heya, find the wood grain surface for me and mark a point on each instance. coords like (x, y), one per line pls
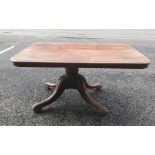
(96, 55)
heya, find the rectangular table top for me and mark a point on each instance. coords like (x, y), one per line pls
(96, 55)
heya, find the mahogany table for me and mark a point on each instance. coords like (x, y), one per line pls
(72, 56)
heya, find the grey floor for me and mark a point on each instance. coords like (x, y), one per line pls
(128, 94)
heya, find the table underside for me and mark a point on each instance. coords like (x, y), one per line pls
(82, 65)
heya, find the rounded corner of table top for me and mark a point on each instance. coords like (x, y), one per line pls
(14, 61)
(147, 61)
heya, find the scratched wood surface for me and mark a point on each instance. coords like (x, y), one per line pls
(97, 55)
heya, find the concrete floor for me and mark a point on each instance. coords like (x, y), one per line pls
(128, 94)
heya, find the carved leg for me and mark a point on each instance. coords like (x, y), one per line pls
(72, 79)
(82, 90)
(91, 86)
(60, 87)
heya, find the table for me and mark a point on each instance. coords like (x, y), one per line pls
(72, 56)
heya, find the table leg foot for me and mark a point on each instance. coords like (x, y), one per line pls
(50, 85)
(60, 87)
(90, 86)
(81, 86)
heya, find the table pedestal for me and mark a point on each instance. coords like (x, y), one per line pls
(72, 79)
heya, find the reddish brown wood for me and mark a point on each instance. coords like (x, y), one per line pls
(75, 55)
(72, 79)
(95, 55)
